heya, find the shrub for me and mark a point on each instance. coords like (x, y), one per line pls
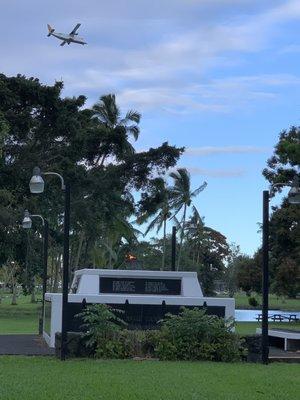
(194, 335)
(99, 322)
(253, 348)
(106, 337)
(252, 302)
(126, 344)
(191, 335)
(75, 345)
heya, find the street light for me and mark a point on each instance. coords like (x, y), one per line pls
(294, 193)
(26, 224)
(37, 186)
(293, 198)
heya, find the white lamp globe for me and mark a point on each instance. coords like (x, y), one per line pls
(294, 193)
(27, 222)
(36, 183)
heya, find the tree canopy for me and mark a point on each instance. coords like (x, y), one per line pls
(90, 147)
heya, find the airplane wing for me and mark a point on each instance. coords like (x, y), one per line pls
(63, 43)
(74, 30)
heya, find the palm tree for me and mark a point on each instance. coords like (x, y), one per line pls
(117, 129)
(181, 197)
(107, 247)
(195, 230)
(157, 205)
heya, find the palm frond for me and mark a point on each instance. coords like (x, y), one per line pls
(152, 224)
(134, 131)
(199, 189)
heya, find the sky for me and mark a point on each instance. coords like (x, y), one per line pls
(220, 77)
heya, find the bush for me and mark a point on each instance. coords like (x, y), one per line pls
(194, 335)
(191, 335)
(252, 302)
(75, 345)
(127, 344)
(99, 322)
(106, 337)
(253, 348)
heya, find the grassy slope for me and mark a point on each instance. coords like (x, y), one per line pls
(277, 303)
(46, 378)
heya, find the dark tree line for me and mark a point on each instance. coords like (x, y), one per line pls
(93, 148)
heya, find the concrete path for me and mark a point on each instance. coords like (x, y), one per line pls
(26, 345)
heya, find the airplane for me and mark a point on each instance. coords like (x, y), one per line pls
(66, 38)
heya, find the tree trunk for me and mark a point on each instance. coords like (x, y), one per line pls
(164, 247)
(56, 274)
(102, 161)
(81, 239)
(181, 237)
(14, 294)
(33, 299)
(86, 253)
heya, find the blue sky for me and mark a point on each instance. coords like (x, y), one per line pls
(220, 77)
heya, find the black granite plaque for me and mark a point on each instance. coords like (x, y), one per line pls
(140, 286)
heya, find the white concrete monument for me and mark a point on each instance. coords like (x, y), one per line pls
(145, 297)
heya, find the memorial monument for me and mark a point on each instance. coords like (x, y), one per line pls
(144, 296)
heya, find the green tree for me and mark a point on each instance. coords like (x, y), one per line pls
(181, 197)
(156, 203)
(116, 130)
(248, 273)
(39, 127)
(284, 222)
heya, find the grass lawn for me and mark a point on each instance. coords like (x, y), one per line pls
(22, 318)
(42, 378)
(277, 303)
(248, 328)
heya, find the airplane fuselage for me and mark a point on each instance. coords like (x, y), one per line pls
(68, 38)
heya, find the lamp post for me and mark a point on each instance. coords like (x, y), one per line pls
(37, 186)
(26, 224)
(173, 255)
(294, 198)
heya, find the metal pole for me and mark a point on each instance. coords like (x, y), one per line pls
(265, 283)
(174, 248)
(45, 268)
(65, 284)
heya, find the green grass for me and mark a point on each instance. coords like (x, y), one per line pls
(22, 318)
(248, 328)
(26, 324)
(42, 378)
(277, 303)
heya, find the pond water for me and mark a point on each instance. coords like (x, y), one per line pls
(250, 315)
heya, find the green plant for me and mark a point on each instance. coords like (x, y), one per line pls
(127, 344)
(194, 335)
(99, 321)
(252, 302)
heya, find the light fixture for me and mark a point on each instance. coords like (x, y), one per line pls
(294, 193)
(27, 222)
(36, 183)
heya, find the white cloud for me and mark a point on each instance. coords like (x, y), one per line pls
(153, 55)
(211, 150)
(217, 173)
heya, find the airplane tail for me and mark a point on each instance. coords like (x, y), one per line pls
(50, 29)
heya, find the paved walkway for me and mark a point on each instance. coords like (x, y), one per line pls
(26, 345)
